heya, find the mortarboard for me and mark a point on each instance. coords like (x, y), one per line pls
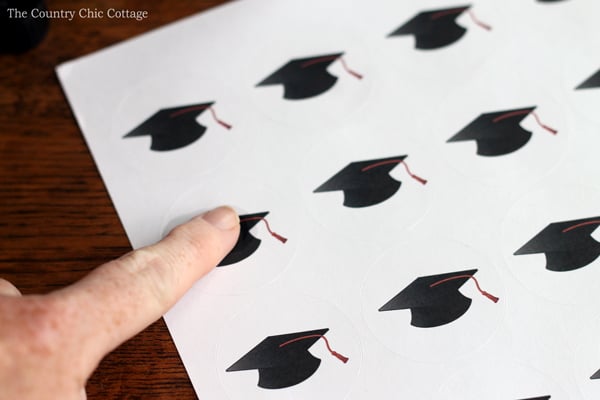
(366, 183)
(498, 133)
(173, 128)
(435, 300)
(306, 77)
(567, 245)
(596, 375)
(435, 28)
(247, 244)
(591, 83)
(284, 360)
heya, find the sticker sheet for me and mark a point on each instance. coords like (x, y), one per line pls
(417, 184)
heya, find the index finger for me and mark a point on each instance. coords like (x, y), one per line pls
(119, 299)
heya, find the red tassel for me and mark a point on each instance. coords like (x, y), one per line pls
(478, 22)
(483, 292)
(274, 234)
(521, 112)
(344, 359)
(330, 58)
(197, 108)
(415, 177)
(351, 72)
(490, 296)
(546, 127)
(418, 178)
(334, 353)
(570, 228)
(279, 237)
(222, 123)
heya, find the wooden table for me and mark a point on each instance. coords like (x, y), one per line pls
(56, 219)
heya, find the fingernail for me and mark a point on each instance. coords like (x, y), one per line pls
(224, 218)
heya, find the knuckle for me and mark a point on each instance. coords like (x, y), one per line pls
(184, 253)
(190, 253)
(135, 261)
(159, 278)
(43, 327)
(148, 268)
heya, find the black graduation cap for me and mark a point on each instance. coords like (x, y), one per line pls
(596, 375)
(284, 360)
(435, 300)
(435, 28)
(567, 245)
(306, 77)
(549, 1)
(498, 133)
(247, 244)
(591, 83)
(174, 128)
(366, 183)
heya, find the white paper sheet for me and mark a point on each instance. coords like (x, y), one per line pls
(341, 264)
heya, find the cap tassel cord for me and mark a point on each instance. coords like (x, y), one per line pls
(222, 123)
(334, 353)
(348, 70)
(198, 108)
(478, 22)
(318, 60)
(274, 234)
(415, 177)
(521, 112)
(483, 292)
(331, 58)
(509, 115)
(570, 228)
(546, 127)
(443, 13)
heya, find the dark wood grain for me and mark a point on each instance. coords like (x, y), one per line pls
(56, 219)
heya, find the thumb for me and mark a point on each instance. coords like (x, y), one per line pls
(122, 297)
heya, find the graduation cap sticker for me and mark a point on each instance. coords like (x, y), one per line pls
(435, 300)
(306, 77)
(247, 244)
(284, 360)
(592, 82)
(567, 245)
(596, 375)
(366, 183)
(174, 128)
(436, 28)
(499, 133)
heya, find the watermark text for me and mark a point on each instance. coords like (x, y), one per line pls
(83, 13)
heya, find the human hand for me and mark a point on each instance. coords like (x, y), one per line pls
(50, 344)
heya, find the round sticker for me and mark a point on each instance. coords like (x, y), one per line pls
(433, 299)
(373, 190)
(268, 238)
(505, 131)
(177, 128)
(311, 83)
(550, 243)
(287, 345)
